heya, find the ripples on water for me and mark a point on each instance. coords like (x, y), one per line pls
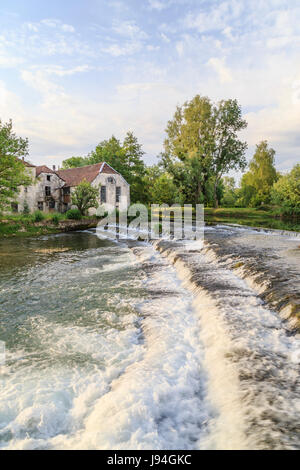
(108, 349)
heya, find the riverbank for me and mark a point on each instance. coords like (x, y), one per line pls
(25, 226)
(252, 217)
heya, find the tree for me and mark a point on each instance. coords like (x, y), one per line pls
(257, 183)
(85, 197)
(74, 162)
(229, 151)
(134, 167)
(229, 193)
(202, 143)
(189, 147)
(126, 158)
(286, 191)
(163, 190)
(12, 169)
(109, 151)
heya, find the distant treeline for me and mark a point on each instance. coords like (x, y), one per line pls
(201, 147)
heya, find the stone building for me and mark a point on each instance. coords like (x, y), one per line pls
(52, 189)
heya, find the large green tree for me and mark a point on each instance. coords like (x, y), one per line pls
(229, 150)
(189, 147)
(12, 170)
(286, 191)
(257, 183)
(202, 143)
(125, 157)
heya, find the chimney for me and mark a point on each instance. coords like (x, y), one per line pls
(54, 168)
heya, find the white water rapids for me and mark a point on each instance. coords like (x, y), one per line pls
(143, 347)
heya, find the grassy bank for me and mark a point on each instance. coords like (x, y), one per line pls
(252, 217)
(20, 225)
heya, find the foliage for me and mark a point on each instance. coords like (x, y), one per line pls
(126, 158)
(202, 144)
(74, 162)
(229, 192)
(256, 185)
(26, 209)
(55, 219)
(163, 190)
(73, 214)
(286, 191)
(38, 216)
(85, 197)
(12, 170)
(251, 217)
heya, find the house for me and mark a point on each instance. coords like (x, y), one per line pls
(52, 189)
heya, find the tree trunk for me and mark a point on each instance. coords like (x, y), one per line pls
(216, 195)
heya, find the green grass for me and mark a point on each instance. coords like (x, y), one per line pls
(265, 218)
(21, 225)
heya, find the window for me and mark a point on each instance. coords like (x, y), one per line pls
(14, 207)
(103, 194)
(111, 180)
(48, 177)
(48, 191)
(26, 190)
(40, 206)
(52, 204)
(66, 191)
(118, 194)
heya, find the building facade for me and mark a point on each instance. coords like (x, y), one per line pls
(52, 189)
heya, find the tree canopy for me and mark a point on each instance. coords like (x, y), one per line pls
(286, 191)
(257, 183)
(12, 170)
(125, 157)
(85, 197)
(202, 142)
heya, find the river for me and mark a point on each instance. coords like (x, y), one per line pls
(150, 346)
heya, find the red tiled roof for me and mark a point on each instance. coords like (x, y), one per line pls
(43, 169)
(26, 163)
(74, 176)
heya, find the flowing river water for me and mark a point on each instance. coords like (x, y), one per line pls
(150, 346)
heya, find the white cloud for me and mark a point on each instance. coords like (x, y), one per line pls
(222, 49)
(129, 29)
(62, 71)
(68, 28)
(9, 61)
(222, 70)
(158, 4)
(165, 37)
(53, 23)
(118, 50)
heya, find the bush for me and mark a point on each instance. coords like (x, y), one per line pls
(73, 214)
(38, 216)
(26, 209)
(55, 219)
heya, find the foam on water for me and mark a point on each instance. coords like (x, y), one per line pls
(154, 356)
(253, 380)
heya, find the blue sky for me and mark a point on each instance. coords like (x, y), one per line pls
(75, 72)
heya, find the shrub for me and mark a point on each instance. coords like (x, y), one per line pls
(26, 209)
(55, 219)
(38, 216)
(73, 214)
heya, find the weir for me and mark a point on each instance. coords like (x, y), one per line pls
(131, 345)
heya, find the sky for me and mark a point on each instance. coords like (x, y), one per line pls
(75, 72)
